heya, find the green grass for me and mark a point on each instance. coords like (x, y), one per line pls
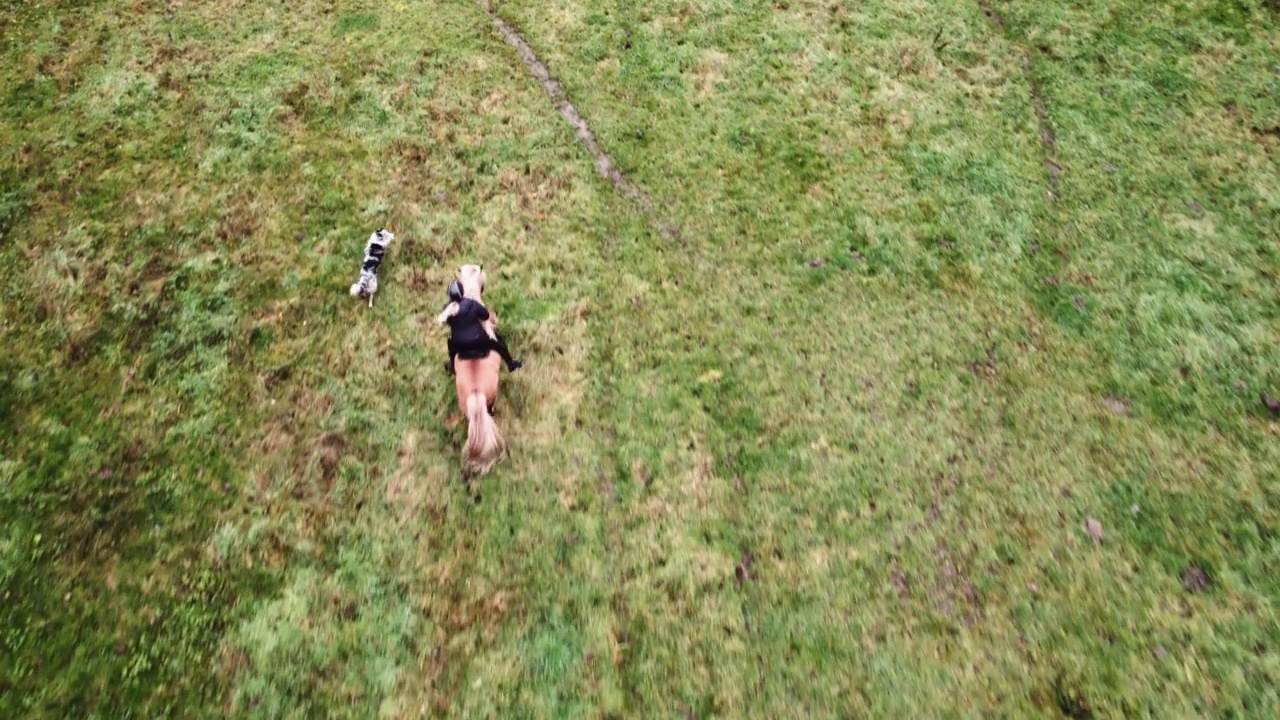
(829, 451)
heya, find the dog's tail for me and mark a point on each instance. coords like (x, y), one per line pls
(485, 445)
(366, 285)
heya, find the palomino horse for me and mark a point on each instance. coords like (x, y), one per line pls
(477, 385)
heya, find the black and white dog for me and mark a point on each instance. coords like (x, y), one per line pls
(373, 252)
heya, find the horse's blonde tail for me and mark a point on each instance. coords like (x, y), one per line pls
(485, 445)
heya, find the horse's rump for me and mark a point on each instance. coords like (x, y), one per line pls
(477, 375)
(477, 386)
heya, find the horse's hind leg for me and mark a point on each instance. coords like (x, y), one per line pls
(491, 401)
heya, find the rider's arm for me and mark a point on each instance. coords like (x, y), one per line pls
(449, 311)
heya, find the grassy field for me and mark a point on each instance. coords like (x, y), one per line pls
(944, 399)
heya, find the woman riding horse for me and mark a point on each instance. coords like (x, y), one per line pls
(467, 330)
(476, 380)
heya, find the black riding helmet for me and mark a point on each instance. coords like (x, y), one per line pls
(455, 291)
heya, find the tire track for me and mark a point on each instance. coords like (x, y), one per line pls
(604, 162)
(1048, 138)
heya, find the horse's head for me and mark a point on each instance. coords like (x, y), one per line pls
(472, 279)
